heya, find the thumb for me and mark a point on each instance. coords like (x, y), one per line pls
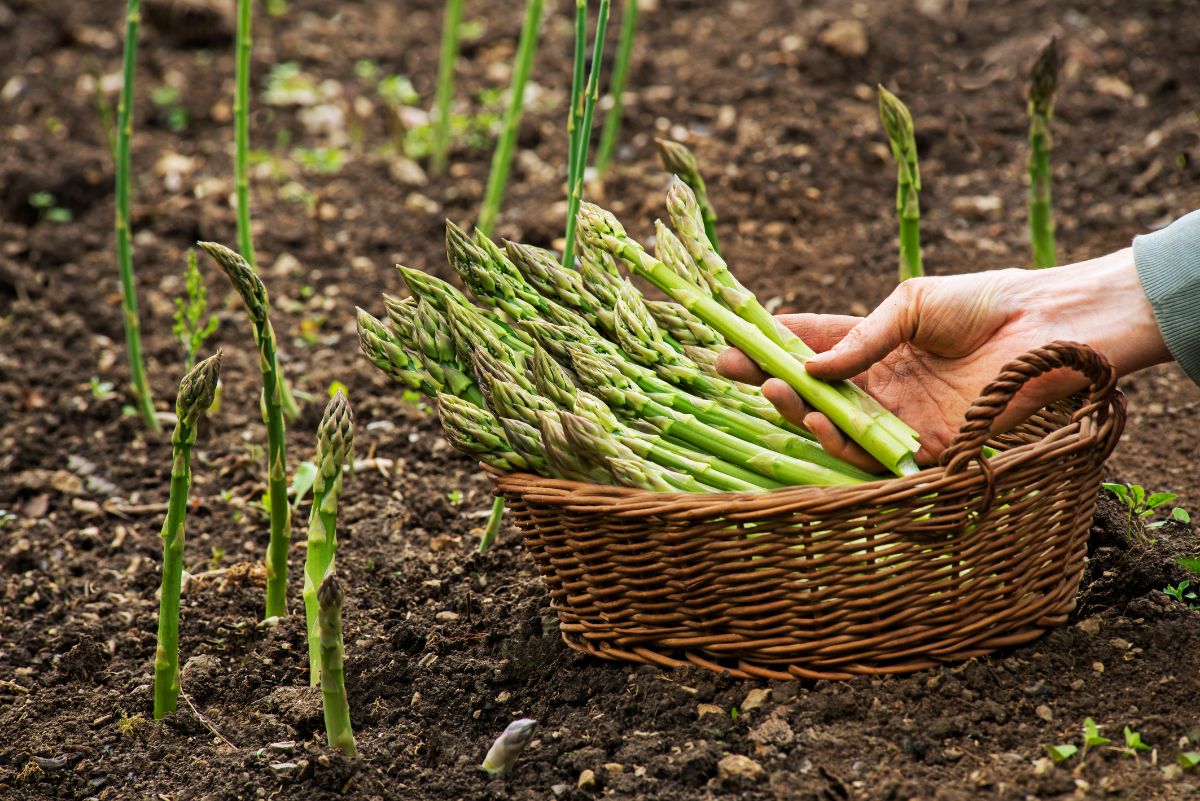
(871, 340)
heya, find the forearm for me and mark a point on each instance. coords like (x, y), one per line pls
(1168, 267)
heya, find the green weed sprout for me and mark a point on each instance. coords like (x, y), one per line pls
(254, 297)
(581, 135)
(616, 90)
(1043, 82)
(897, 123)
(190, 327)
(333, 680)
(1061, 752)
(1140, 505)
(335, 444)
(1183, 593)
(1091, 735)
(196, 392)
(502, 158)
(140, 386)
(679, 161)
(445, 85)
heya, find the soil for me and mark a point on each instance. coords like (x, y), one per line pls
(444, 646)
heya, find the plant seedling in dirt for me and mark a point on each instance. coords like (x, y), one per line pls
(1062, 752)
(897, 124)
(579, 120)
(254, 296)
(103, 390)
(1133, 744)
(679, 161)
(1043, 82)
(454, 496)
(190, 328)
(445, 86)
(620, 74)
(1181, 592)
(6, 517)
(502, 158)
(333, 680)
(48, 208)
(133, 331)
(195, 396)
(1189, 759)
(1138, 503)
(335, 444)
(508, 746)
(1091, 735)
(166, 100)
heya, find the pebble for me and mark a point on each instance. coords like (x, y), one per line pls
(846, 37)
(708, 709)
(755, 698)
(735, 767)
(977, 206)
(587, 779)
(1043, 766)
(1089, 626)
(1044, 712)
(446, 616)
(614, 767)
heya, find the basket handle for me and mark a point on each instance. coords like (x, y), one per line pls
(977, 427)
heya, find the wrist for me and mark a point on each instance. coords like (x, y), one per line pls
(1100, 302)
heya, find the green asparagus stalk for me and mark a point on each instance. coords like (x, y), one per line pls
(333, 681)
(475, 431)
(445, 87)
(494, 522)
(627, 468)
(679, 161)
(335, 444)
(620, 75)
(897, 123)
(254, 297)
(381, 347)
(575, 110)
(498, 178)
(684, 327)
(541, 270)
(703, 262)
(583, 136)
(1043, 82)
(196, 393)
(568, 460)
(622, 394)
(139, 385)
(859, 421)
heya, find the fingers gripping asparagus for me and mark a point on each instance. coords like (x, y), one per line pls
(196, 392)
(335, 444)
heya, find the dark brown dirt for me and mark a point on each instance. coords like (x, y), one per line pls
(801, 179)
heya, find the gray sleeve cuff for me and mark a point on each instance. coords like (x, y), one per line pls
(1168, 265)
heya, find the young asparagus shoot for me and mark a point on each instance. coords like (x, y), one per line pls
(190, 327)
(445, 86)
(616, 90)
(1043, 82)
(897, 124)
(335, 444)
(583, 136)
(508, 746)
(494, 523)
(680, 162)
(502, 158)
(139, 384)
(575, 109)
(254, 296)
(196, 392)
(333, 681)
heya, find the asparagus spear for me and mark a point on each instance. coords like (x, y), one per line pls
(897, 123)
(862, 422)
(612, 122)
(254, 297)
(474, 430)
(1043, 82)
(333, 682)
(335, 444)
(587, 437)
(445, 83)
(196, 392)
(679, 161)
(567, 459)
(384, 351)
(621, 393)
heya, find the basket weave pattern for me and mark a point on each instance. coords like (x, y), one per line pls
(816, 582)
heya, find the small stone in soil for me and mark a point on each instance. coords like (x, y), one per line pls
(735, 767)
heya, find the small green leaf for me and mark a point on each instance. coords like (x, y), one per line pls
(1180, 515)
(1158, 499)
(1091, 734)
(1133, 740)
(454, 496)
(302, 482)
(1061, 753)
(1138, 493)
(1189, 759)
(1120, 490)
(337, 386)
(41, 200)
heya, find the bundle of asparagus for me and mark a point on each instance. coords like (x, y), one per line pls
(569, 372)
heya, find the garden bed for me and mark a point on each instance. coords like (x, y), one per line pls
(445, 646)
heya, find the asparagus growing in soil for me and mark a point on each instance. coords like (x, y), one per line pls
(335, 444)
(139, 384)
(897, 123)
(508, 746)
(868, 425)
(620, 74)
(196, 392)
(333, 681)
(679, 161)
(522, 66)
(575, 109)
(1043, 82)
(583, 136)
(254, 297)
(445, 86)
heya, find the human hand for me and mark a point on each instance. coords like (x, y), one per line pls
(932, 346)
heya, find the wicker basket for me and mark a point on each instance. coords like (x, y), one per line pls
(829, 583)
